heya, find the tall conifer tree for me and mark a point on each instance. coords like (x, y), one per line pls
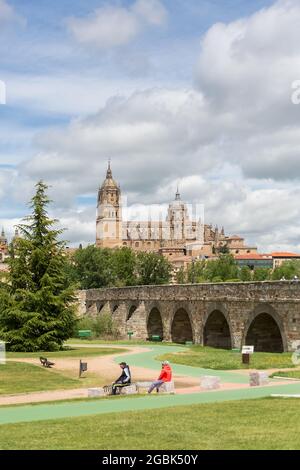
(38, 313)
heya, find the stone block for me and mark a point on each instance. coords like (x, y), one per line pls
(257, 379)
(130, 390)
(210, 382)
(143, 386)
(96, 392)
(168, 387)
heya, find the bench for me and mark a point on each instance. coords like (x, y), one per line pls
(84, 333)
(129, 389)
(155, 338)
(46, 363)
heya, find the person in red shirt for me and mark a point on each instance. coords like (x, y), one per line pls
(165, 376)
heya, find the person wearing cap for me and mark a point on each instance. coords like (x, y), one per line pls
(165, 376)
(124, 379)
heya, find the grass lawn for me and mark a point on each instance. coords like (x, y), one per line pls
(220, 359)
(68, 352)
(19, 377)
(249, 424)
(293, 374)
(124, 342)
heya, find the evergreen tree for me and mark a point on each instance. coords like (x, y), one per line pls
(37, 312)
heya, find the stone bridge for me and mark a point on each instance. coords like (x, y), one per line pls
(228, 315)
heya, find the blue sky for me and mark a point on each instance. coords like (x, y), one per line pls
(194, 91)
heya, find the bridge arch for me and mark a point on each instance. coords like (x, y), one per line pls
(181, 329)
(131, 311)
(217, 331)
(154, 323)
(265, 331)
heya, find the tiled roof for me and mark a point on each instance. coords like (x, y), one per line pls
(285, 254)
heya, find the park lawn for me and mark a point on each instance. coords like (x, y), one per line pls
(292, 374)
(68, 352)
(20, 377)
(124, 342)
(249, 424)
(221, 359)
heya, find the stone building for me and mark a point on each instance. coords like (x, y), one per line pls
(3, 246)
(176, 236)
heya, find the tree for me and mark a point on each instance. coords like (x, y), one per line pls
(222, 269)
(153, 269)
(245, 274)
(37, 310)
(124, 263)
(261, 274)
(91, 268)
(181, 276)
(195, 272)
(288, 270)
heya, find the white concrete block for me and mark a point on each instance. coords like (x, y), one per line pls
(257, 379)
(210, 382)
(167, 387)
(129, 390)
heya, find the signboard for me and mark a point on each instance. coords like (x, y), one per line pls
(248, 350)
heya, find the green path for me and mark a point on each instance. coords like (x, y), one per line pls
(29, 413)
(147, 359)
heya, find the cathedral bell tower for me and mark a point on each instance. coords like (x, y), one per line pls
(109, 213)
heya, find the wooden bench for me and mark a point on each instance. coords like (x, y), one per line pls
(46, 363)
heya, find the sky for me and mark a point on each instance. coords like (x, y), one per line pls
(204, 94)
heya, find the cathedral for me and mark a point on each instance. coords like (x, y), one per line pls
(176, 236)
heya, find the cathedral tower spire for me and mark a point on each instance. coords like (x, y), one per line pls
(109, 212)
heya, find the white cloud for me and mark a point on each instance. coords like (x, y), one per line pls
(8, 14)
(6, 11)
(232, 143)
(113, 26)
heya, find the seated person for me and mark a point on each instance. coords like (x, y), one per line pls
(165, 376)
(124, 379)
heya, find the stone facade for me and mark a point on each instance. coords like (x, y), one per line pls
(229, 315)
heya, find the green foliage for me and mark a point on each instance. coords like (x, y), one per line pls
(123, 261)
(261, 274)
(36, 311)
(153, 269)
(195, 271)
(181, 277)
(222, 269)
(288, 270)
(245, 274)
(93, 268)
(101, 326)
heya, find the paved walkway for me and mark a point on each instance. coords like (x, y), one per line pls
(18, 414)
(234, 387)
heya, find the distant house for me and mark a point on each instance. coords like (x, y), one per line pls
(255, 260)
